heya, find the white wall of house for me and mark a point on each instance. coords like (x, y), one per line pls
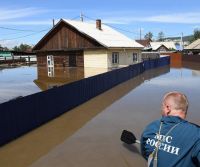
(96, 59)
(103, 58)
(125, 58)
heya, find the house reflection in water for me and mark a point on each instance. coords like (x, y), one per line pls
(49, 77)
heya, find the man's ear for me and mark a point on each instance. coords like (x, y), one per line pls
(168, 109)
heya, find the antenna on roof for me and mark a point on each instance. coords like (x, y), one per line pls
(53, 22)
(81, 16)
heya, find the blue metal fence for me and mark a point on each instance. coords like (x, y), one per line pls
(24, 114)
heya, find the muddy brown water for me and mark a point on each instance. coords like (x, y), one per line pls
(89, 135)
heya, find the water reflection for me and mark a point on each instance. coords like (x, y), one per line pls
(26, 80)
(195, 73)
(50, 77)
(192, 65)
(40, 141)
(16, 82)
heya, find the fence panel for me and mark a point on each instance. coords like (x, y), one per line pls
(19, 116)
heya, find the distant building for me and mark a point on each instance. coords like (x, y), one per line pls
(77, 44)
(145, 43)
(163, 46)
(193, 48)
(5, 55)
(159, 46)
(1, 48)
(185, 41)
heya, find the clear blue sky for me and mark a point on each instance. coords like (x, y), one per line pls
(170, 16)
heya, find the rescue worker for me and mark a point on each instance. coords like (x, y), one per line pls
(172, 141)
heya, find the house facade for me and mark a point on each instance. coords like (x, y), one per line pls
(80, 44)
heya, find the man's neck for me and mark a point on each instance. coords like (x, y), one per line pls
(178, 113)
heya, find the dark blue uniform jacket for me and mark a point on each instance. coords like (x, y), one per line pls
(179, 148)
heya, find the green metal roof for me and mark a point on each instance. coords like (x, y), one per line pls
(5, 54)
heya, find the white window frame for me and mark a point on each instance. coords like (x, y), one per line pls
(50, 60)
(115, 57)
(135, 57)
(50, 65)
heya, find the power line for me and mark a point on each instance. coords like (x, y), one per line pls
(24, 35)
(139, 33)
(15, 29)
(113, 26)
(14, 33)
(74, 18)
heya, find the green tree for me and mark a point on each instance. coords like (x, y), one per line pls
(196, 34)
(148, 35)
(22, 48)
(161, 36)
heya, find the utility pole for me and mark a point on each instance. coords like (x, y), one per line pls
(81, 16)
(182, 43)
(140, 33)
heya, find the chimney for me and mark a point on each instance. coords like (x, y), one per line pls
(98, 24)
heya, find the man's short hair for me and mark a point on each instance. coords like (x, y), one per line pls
(176, 100)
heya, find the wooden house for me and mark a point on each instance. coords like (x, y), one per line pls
(80, 44)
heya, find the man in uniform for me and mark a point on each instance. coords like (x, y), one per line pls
(172, 141)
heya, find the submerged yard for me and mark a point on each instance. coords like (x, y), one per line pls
(27, 80)
(89, 135)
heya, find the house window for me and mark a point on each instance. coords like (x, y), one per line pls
(50, 65)
(115, 58)
(135, 57)
(50, 60)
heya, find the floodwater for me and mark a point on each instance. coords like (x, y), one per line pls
(15, 82)
(26, 80)
(89, 135)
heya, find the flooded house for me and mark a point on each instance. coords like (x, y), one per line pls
(81, 44)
